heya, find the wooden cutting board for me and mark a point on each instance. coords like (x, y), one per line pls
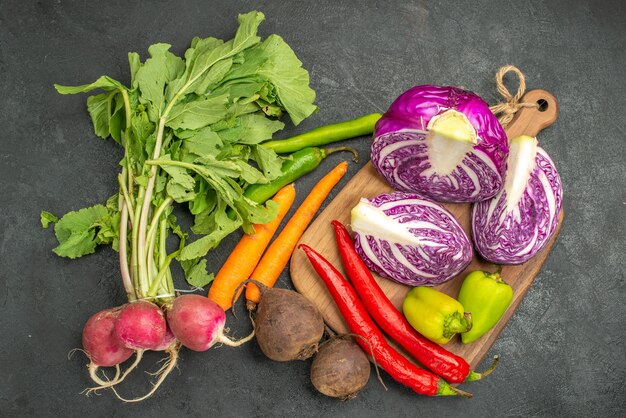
(368, 183)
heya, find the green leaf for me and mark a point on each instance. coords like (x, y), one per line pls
(205, 53)
(98, 108)
(77, 244)
(108, 229)
(178, 175)
(117, 121)
(135, 64)
(204, 142)
(196, 273)
(181, 184)
(251, 129)
(268, 161)
(269, 109)
(219, 168)
(47, 218)
(161, 68)
(250, 174)
(107, 114)
(179, 193)
(113, 203)
(254, 213)
(104, 83)
(142, 181)
(241, 87)
(223, 227)
(291, 81)
(160, 182)
(78, 221)
(204, 221)
(213, 76)
(76, 231)
(275, 62)
(197, 113)
(200, 202)
(246, 33)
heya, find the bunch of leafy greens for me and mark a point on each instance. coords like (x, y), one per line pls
(191, 129)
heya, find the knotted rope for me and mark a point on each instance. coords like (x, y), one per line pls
(507, 109)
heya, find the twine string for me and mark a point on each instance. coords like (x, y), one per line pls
(507, 109)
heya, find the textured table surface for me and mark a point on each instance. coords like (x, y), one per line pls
(564, 351)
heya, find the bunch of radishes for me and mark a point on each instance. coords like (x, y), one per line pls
(111, 336)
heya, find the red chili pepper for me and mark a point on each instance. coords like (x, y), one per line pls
(360, 323)
(451, 367)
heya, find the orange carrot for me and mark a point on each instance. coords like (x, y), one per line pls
(244, 258)
(277, 255)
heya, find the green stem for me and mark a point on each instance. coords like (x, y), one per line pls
(152, 266)
(327, 151)
(123, 242)
(151, 238)
(163, 254)
(444, 389)
(134, 241)
(145, 208)
(128, 114)
(155, 162)
(126, 209)
(473, 375)
(156, 283)
(162, 241)
(170, 283)
(156, 217)
(126, 196)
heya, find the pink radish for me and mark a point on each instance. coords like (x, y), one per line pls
(198, 323)
(100, 342)
(166, 342)
(140, 325)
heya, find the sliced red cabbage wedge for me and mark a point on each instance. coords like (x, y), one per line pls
(518, 222)
(410, 239)
(441, 142)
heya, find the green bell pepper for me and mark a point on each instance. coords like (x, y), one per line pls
(435, 315)
(487, 296)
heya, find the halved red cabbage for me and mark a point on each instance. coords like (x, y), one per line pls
(441, 142)
(518, 222)
(410, 239)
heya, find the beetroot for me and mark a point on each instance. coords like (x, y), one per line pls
(340, 369)
(198, 323)
(100, 342)
(288, 326)
(140, 325)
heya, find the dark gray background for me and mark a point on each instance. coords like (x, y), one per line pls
(563, 353)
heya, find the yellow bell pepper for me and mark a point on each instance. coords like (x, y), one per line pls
(435, 315)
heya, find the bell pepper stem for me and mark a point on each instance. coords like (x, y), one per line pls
(473, 376)
(457, 324)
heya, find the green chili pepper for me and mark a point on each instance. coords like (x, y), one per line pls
(300, 163)
(325, 135)
(435, 315)
(487, 297)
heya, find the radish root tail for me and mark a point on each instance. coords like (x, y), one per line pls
(117, 379)
(93, 373)
(234, 343)
(163, 372)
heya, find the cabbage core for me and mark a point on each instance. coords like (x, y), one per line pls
(450, 137)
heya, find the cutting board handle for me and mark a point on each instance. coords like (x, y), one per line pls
(531, 120)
